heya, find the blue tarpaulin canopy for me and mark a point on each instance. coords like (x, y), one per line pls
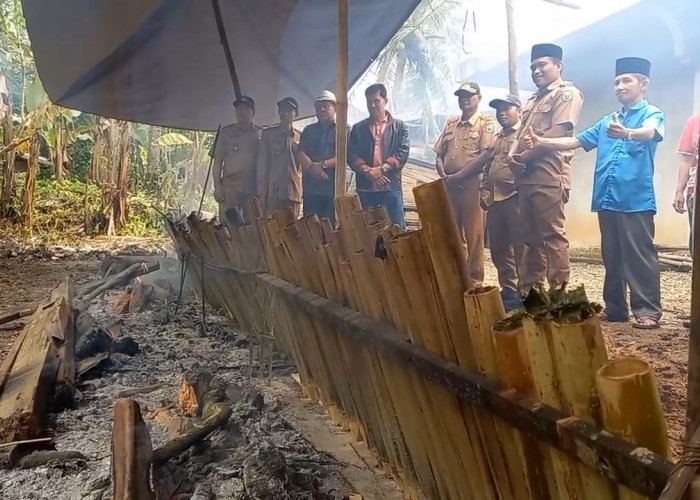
(161, 61)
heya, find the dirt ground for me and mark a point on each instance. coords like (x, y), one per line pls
(168, 348)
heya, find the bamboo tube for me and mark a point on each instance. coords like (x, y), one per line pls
(484, 309)
(627, 388)
(524, 364)
(553, 354)
(578, 352)
(462, 448)
(631, 408)
(442, 245)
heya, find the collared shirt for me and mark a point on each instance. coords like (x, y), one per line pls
(318, 143)
(279, 174)
(378, 129)
(237, 150)
(689, 146)
(462, 141)
(498, 182)
(624, 170)
(559, 103)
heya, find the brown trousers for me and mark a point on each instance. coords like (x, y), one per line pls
(542, 220)
(470, 225)
(505, 241)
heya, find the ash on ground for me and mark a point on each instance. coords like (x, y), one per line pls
(256, 455)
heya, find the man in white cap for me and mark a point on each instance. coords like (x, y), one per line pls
(316, 155)
(623, 194)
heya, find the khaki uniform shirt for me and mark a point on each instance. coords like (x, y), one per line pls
(498, 182)
(237, 148)
(461, 141)
(558, 104)
(279, 174)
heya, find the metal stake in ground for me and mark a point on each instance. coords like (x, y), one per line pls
(204, 311)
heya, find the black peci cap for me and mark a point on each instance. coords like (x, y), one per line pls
(632, 65)
(546, 50)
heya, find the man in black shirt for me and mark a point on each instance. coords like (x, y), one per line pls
(316, 155)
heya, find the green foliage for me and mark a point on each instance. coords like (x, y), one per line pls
(80, 153)
(61, 213)
(173, 139)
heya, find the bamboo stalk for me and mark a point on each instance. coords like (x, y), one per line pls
(631, 407)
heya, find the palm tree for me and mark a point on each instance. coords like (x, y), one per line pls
(414, 65)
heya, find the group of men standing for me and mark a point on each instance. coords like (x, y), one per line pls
(513, 182)
(286, 169)
(519, 179)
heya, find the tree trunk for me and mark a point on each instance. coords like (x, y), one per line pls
(97, 148)
(59, 173)
(8, 168)
(512, 49)
(384, 68)
(30, 179)
(400, 68)
(120, 208)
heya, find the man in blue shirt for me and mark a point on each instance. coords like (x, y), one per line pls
(623, 194)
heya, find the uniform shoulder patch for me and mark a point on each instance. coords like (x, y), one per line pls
(490, 128)
(566, 95)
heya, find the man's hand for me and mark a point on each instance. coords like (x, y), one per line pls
(318, 171)
(530, 140)
(516, 164)
(375, 173)
(679, 202)
(382, 180)
(616, 130)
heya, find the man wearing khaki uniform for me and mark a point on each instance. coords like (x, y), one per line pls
(234, 165)
(462, 141)
(544, 176)
(279, 174)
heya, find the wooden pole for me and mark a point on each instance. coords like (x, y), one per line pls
(512, 49)
(341, 94)
(693, 411)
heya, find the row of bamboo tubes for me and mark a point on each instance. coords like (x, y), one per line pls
(434, 445)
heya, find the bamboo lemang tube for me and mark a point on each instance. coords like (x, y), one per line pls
(630, 408)
(515, 373)
(382, 380)
(442, 245)
(430, 425)
(578, 351)
(457, 429)
(484, 309)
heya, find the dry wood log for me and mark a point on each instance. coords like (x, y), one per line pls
(41, 458)
(87, 364)
(193, 387)
(121, 279)
(28, 375)
(220, 413)
(141, 390)
(115, 264)
(17, 314)
(131, 453)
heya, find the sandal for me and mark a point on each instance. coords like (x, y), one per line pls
(646, 323)
(605, 317)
